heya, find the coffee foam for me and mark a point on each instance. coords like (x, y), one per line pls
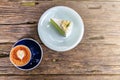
(20, 55)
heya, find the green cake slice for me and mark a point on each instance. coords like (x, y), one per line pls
(63, 26)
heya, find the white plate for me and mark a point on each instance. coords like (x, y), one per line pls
(50, 36)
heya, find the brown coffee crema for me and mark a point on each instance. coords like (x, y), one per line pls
(20, 55)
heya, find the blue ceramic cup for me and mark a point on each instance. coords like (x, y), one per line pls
(36, 53)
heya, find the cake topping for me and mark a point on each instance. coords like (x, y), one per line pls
(63, 26)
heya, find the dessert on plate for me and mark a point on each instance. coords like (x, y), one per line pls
(63, 26)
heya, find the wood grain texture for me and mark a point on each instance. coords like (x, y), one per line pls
(90, 11)
(11, 33)
(84, 59)
(60, 0)
(95, 58)
(95, 32)
(61, 77)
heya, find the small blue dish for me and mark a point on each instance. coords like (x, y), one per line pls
(36, 53)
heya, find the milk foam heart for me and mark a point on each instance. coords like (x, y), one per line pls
(20, 54)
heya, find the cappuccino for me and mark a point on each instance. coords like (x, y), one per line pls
(20, 55)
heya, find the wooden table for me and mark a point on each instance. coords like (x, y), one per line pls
(97, 57)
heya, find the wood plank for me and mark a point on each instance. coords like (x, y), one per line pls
(11, 33)
(95, 32)
(101, 32)
(84, 59)
(66, 0)
(97, 54)
(90, 11)
(62, 77)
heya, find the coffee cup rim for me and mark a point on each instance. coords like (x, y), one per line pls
(18, 67)
(27, 62)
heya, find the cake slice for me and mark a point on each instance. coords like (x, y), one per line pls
(63, 26)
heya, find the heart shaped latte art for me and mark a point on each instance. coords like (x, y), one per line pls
(20, 54)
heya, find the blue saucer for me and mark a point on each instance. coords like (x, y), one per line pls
(36, 53)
